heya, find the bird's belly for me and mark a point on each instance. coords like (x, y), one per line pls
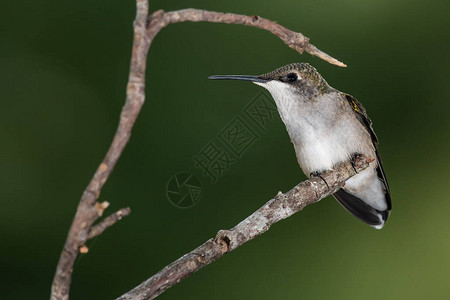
(320, 155)
(321, 142)
(321, 151)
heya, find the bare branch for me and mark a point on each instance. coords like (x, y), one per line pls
(145, 29)
(108, 222)
(292, 39)
(87, 212)
(277, 209)
(311, 49)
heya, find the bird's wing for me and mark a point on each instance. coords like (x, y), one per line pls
(361, 115)
(363, 118)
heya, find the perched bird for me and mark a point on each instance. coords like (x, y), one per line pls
(328, 127)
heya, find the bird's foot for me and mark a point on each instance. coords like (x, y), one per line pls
(352, 160)
(318, 174)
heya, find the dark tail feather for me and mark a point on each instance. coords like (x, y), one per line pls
(361, 210)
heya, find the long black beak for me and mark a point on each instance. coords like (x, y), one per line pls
(239, 77)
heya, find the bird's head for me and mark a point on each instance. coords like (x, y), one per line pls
(297, 79)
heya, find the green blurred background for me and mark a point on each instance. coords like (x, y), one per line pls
(64, 68)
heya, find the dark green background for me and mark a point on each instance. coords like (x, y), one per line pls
(64, 67)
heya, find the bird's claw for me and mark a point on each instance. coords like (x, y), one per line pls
(353, 159)
(318, 174)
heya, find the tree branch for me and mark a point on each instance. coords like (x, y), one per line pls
(87, 212)
(292, 39)
(108, 222)
(277, 209)
(145, 29)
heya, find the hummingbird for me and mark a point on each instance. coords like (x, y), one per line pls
(328, 127)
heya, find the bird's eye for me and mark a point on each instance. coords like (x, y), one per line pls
(291, 77)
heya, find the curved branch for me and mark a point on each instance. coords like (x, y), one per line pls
(292, 39)
(277, 209)
(145, 29)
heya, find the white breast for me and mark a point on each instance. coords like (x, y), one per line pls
(323, 131)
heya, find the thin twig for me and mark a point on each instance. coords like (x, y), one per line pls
(108, 222)
(145, 29)
(277, 209)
